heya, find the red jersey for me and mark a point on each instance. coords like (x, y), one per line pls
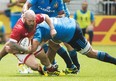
(19, 31)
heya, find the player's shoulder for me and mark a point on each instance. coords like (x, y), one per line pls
(19, 26)
(39, 15)
(40, 18)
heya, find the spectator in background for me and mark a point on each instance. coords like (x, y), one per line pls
(5, 12)
(2, 33)
(85, 18)
(16, 9)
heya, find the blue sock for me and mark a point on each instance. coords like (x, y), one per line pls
(74, 58)
(45, 47)
(54, 62)
(106, 58)
(62, 52)
(90, 36)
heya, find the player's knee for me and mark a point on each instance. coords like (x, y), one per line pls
(92, 54)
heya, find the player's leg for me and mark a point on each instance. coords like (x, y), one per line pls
(43, 57)
(45, 47)
(71, 68)
(30, 61)
(73, 55)
(82, 45)
(83, 31)
(102, 56)
(24, 69)
(61, 52)
(51, 54)
(90, 32)
(40, 54)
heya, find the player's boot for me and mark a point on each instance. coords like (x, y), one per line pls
(72, 70)
(53, 70)
(22, 69)
(29, 70)
(41, 70)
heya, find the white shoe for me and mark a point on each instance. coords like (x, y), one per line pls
(22, 69)
(29, 70)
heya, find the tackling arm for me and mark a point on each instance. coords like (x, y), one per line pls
(13, 47)
(35, 45)
(26, 6)
(49, 22)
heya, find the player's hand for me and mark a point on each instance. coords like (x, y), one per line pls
(10, 50)
(53, 32)
(28, 50)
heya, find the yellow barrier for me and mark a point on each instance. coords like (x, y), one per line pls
(105, 30)
(6, 22)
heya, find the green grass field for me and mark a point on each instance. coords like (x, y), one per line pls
(91, 70)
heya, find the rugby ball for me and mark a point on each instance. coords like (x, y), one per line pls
(25, 42)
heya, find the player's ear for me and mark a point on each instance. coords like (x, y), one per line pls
(24, 19)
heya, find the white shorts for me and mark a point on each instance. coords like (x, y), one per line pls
(86, 49)
(23, 57)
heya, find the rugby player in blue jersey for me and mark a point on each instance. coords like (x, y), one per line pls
(55, 8)
(68, 31)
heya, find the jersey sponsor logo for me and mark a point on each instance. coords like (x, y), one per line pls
(47, 9)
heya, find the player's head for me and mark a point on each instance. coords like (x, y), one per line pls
(84, 5)
(29, 19)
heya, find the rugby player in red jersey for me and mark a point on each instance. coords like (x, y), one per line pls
(25, 27)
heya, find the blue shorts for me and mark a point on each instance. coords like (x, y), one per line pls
(78, 41)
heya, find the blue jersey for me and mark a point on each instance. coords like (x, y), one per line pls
(65, 28)
(67, 13)
(45, 6)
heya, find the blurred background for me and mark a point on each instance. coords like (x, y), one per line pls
(105, 18)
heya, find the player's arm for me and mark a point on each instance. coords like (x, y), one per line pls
(13, 47)
(37, 39)
(92, 20)
(35, 45)
(92, 24)
(14, 3)
(15, 36)
(10, 4)
(26, 6)
(44, 17)
(49, 22)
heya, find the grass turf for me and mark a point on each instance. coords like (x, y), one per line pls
(91, 69)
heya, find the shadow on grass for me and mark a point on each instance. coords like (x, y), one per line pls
(70, 75)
